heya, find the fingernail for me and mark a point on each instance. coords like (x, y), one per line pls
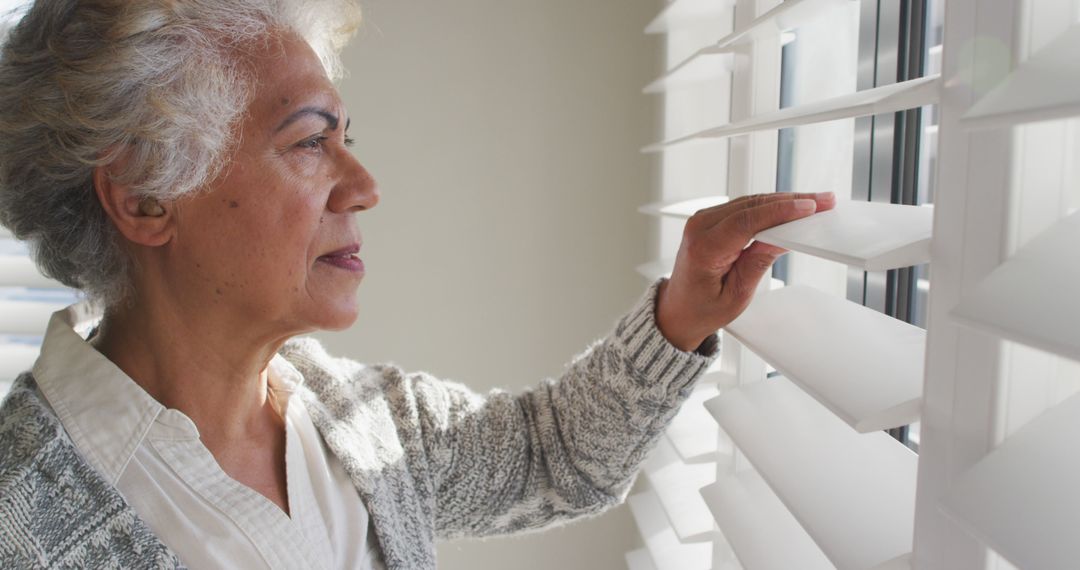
(827, 195)
(805, 205)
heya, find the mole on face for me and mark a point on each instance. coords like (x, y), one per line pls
(234, 204)
(285, 101)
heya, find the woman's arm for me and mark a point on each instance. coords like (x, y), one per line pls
(569, 447)
(502, 463)
(482, 465)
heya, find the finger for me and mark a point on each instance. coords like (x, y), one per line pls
(762, 247)
(825, 201)
(736, 230)
(709, 217)
(759, 199)
(747, 271)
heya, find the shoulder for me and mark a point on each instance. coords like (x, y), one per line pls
(333, 378)
(29, 431)
(41, 474)
(325, 373)
(378, 394)
(55, 510)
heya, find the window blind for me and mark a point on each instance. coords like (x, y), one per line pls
(711, 61)
(1032, 298)
(1008, 495)
(682, 209)
(853, 493)
(747, 510)
(27, 299)
(676, 483)
(639, 560)
(805, 478)
(886, 99)
(1045, 86)
(663, 545)
(871, 236)
(16, 268)
(1021, 498)
(693, 432)
(865, 367)
(688, 13)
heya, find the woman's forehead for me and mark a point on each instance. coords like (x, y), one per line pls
(289, 76)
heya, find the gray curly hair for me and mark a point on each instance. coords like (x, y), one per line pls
(159, 81)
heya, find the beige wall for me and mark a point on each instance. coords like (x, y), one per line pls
(504, 135)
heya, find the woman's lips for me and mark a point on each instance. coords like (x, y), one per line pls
(344, 259)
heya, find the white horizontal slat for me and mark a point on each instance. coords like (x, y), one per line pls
(786, 15)
(693, 433)
(1021, 499)
(705, 64)
(17, 355)
(902, 562)
(864, 366)
(711, 62)
(716, 375)
(16, 268)
(1032, 297)
(653, 270)
(682, 208)
(676, 484)
(687, 12)
(886, 99)
(16, 271)
(639, 560)
(18, 317)
(853, 493)
(868, 235)
(660, 539)
(761, 531)
(1045, 87)
(27, 311)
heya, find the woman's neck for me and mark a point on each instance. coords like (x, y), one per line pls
(194, 362)
(213, 371)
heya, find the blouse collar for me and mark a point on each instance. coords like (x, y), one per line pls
(106, 413)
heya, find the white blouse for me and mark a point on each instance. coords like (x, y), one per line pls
(154, 457)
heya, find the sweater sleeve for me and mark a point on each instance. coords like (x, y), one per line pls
(503, 463)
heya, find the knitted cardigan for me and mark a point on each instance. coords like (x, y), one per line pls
(429, 458)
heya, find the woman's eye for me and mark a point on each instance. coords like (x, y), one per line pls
(314, 143)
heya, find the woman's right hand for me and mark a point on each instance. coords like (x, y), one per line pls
(716, 273)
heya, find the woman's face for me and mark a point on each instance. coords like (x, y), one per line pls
(273, 238)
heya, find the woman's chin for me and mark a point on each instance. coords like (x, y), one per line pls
(337, 315)
(331, 305)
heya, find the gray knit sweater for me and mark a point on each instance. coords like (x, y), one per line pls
(429, 458)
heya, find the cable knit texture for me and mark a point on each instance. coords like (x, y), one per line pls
(431, 459)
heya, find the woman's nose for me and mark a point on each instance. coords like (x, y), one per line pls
(356, 188)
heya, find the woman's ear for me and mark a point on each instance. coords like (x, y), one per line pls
(141, 219)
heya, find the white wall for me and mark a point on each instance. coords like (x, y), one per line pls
(504, 135)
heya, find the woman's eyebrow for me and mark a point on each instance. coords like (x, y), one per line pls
(331, 119)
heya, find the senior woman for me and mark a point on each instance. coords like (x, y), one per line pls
(185, 163)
